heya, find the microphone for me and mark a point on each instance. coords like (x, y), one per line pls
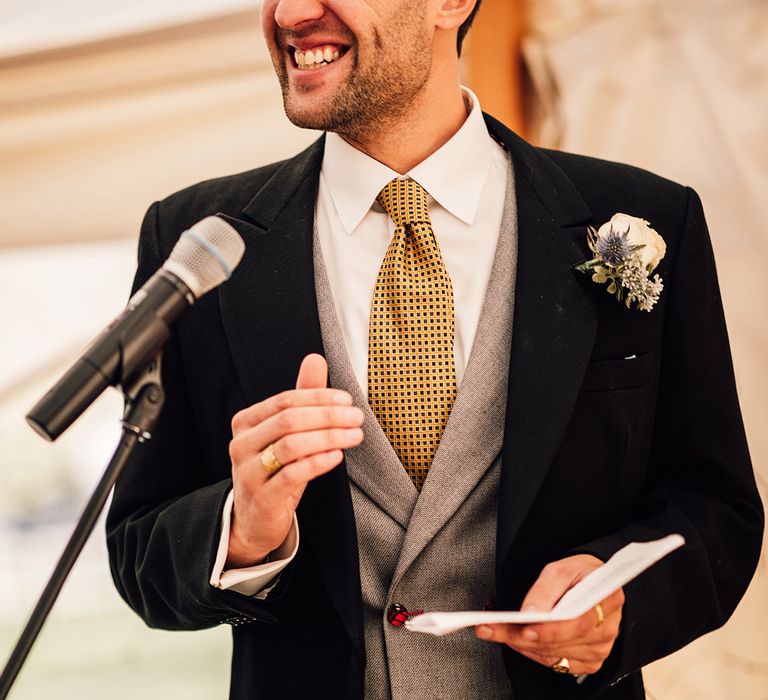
(203, 258)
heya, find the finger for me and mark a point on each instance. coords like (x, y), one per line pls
(259, 412)
(585, 654)
(580, 656)
(577, 666)
(557, 636)
(298, 474)
(613, 602)
(292, 421)
(313, 373)
(292, 448)
(555, 579)
(587, 627)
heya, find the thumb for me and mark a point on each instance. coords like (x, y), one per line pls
(554, 580)
(313, 373)
(557, 578)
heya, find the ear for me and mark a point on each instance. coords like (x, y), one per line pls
(452, 13)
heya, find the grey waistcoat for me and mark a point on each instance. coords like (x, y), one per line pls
(433, 550)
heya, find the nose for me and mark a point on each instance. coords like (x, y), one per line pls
(291, 14)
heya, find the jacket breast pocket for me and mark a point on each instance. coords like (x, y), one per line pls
(617, 374)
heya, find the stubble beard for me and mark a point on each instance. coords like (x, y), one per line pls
(372, 100)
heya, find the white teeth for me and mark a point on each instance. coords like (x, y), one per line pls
(313, 59)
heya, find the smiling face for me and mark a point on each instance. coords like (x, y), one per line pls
(349, 66)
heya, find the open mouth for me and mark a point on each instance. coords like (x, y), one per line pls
(317, 56)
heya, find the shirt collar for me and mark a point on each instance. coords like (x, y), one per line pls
(454, 175)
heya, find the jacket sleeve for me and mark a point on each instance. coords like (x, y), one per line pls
(164, 523)
(700, 481)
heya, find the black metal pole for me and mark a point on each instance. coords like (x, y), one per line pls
(139, 420)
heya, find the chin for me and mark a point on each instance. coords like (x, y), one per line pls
(305, 117)
(308, 113)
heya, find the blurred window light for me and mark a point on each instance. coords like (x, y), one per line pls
(37, 25)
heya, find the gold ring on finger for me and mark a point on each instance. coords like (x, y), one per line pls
(562, 666)
(600, 615)
(270, 463)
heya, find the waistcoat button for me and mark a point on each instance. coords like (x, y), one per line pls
(397, 614)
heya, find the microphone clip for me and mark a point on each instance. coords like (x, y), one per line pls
(144, 400)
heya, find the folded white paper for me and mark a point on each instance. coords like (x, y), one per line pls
(620, 569)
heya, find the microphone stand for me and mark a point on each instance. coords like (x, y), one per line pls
(144, 402)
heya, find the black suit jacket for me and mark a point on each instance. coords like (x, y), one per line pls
(598, 450)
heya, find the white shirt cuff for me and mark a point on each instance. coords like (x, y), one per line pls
(255, 581)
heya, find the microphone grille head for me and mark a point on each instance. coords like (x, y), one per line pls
(206, 254)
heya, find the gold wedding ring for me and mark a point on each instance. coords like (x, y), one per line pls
(270, 463)
(600, 615)
(562, 666)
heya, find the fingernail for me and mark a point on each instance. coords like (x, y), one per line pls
(342, 398)
(530, 635)
(484, 632)
(530, 607)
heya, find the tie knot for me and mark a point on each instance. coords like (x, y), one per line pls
(405, 201)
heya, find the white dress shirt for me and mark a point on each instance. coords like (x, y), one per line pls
(466, 180)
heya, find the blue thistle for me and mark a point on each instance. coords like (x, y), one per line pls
(615, 248)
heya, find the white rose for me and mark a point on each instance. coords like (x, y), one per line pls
(639, 233)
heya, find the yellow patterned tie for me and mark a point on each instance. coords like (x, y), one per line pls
(411, 374)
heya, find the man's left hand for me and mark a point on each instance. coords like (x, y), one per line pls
(585, 642)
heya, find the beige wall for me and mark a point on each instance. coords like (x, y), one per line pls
(90, 135)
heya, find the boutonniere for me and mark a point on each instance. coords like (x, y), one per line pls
(627, 250)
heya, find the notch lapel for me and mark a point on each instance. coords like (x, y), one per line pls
(268, 306)
(270, 318)
(553, 330)
(373, 465)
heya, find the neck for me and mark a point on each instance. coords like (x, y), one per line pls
(406, 141)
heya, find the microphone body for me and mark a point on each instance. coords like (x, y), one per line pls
(122, 350)
(203, 258)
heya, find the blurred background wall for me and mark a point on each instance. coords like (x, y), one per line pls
(105, 107)
(679, 87)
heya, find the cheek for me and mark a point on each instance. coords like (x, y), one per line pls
(347, 11)
(355, 18)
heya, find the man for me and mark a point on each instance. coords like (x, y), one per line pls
(458, 479)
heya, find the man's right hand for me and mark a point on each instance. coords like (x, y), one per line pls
(308, 428)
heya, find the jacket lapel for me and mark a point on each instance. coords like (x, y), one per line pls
(270, 317)
(553, 331)
(372, 465)
(268, 308)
